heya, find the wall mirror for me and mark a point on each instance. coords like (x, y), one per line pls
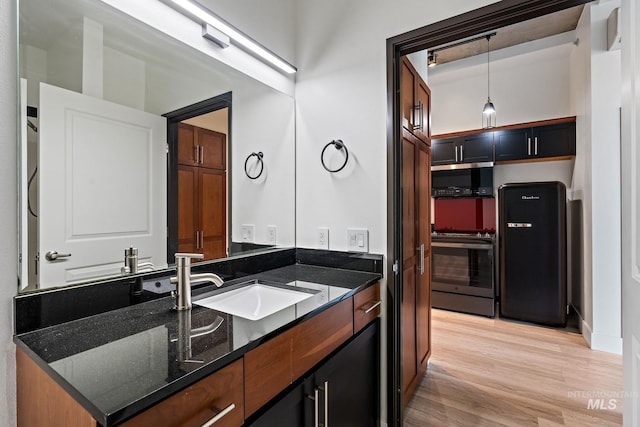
(108, 163)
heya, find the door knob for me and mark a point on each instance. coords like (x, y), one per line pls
(54, 255)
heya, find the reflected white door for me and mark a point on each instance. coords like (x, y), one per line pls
(102, 186)
(630, 161)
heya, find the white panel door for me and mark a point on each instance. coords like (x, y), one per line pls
(630, 153)
(102, 186)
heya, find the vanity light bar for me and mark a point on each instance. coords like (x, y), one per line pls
(210, 18)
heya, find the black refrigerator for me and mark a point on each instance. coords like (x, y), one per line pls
(533, 255)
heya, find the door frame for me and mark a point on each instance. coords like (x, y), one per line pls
(173, 119)
(469, 24)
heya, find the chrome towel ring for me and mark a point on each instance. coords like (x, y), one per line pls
(339, 145)
(260, 160)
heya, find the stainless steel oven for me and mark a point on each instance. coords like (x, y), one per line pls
(462, 273)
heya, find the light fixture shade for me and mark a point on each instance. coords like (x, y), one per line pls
(489, 115)
(489, 108)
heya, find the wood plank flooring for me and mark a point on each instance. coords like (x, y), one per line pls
(495, 372)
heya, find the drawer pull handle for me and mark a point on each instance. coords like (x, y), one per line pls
(219, 416)
(316, 421)
(373, 307)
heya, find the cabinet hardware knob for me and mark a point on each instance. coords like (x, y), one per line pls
(220, 415)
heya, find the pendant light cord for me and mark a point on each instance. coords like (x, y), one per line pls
(488, 60)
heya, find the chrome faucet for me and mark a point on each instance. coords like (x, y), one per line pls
(183, 279)
(131, 264)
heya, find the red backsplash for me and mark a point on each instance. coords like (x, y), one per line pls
(465, 215)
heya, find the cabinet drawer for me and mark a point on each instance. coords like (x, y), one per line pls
(200, 402)
(366, 307)
(316, 338)
(267, 371)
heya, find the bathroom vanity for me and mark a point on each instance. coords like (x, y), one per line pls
(146, 364)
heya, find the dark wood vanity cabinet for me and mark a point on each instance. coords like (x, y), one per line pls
(319, 355)
(343, 391)
(218, 395)
(538, 142)
(202, 192)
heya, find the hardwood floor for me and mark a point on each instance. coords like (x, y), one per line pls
(495, 372)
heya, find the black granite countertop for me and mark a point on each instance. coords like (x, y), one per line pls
(119, 363)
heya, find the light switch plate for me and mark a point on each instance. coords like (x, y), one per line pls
(323, 238)
(272, 232)
(357, 240)
(247, 233)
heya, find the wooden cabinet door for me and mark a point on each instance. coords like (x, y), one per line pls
(291, 410)
(212, 191)
(347, 384)
(476, 148)
(555, 140)
(188, 221)
(423, 270)
(212, 146)
(445, 151)
(407, 98)
(422, 126)
(415, 102)
(409, 261)
(512, 144)
(187, 149)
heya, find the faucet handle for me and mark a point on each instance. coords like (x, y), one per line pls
(184, 259)
(183, 255)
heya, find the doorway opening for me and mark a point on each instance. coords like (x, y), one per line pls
(199, 178)
(457, 28)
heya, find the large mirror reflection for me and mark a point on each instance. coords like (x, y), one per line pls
(133, 140)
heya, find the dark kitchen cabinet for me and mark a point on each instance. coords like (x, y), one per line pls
(555, 140)
(473, 148)
(343, 391)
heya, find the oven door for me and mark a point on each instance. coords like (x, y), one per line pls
(463, 267)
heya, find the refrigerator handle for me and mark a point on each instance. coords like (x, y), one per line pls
(421, 249)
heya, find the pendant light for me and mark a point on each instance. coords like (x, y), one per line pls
(489, 110)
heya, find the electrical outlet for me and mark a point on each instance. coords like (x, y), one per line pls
(358, 239)
(323, 238)
(247, 233)
(272, 231)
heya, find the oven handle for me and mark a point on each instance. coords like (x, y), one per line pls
(462, 245)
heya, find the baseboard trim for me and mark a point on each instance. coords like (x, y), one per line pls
(600, 342)
(606, 343)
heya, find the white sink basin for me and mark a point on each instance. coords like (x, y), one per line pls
(254, 302)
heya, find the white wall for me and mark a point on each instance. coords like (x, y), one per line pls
(272, 25)
(341, 94)
(597, 97)
(262, 120)
(525, 86)
(8, 207)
